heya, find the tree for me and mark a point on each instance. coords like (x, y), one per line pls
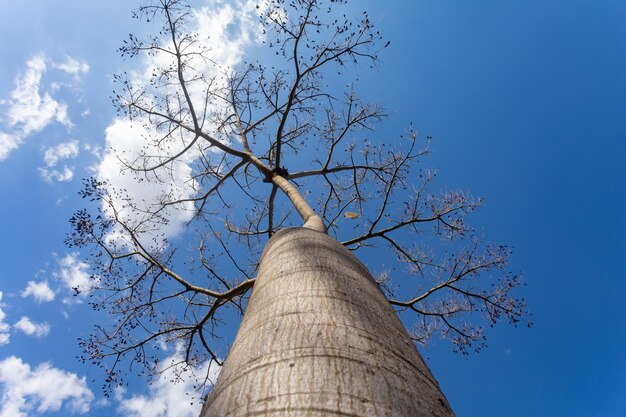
(243, 152)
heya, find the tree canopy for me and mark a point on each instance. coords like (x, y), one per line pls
(235, 153)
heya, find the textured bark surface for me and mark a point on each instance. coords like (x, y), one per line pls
(319, 338)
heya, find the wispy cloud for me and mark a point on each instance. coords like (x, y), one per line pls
(40, 291)
(71, 277)
(73, 66)
(53, 156)
(25, 391)
(26, 326)
(30, 107)
(8, 142)
(234, 27)
(30, 110)
(74, 276)
(4, 327)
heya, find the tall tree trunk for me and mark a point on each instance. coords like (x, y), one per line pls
(319, 338)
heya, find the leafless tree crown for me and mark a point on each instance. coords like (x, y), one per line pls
(271, 143)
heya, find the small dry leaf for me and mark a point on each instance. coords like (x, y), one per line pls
(351, 215)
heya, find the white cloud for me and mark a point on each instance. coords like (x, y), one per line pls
(8, 142)
(73, 66)
(30, 107)
(166, 399)
(74, 276)
(4, 327)
(30, 111)
(25, 391)
(126, 139)
(230, 28)
(53, 155)
(63, 175)
(40, 291)
(30, 328)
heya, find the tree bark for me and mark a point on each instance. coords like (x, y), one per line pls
(319, 338)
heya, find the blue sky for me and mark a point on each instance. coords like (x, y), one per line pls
(526, 104)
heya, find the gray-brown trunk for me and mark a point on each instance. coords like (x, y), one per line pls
(319, 338)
